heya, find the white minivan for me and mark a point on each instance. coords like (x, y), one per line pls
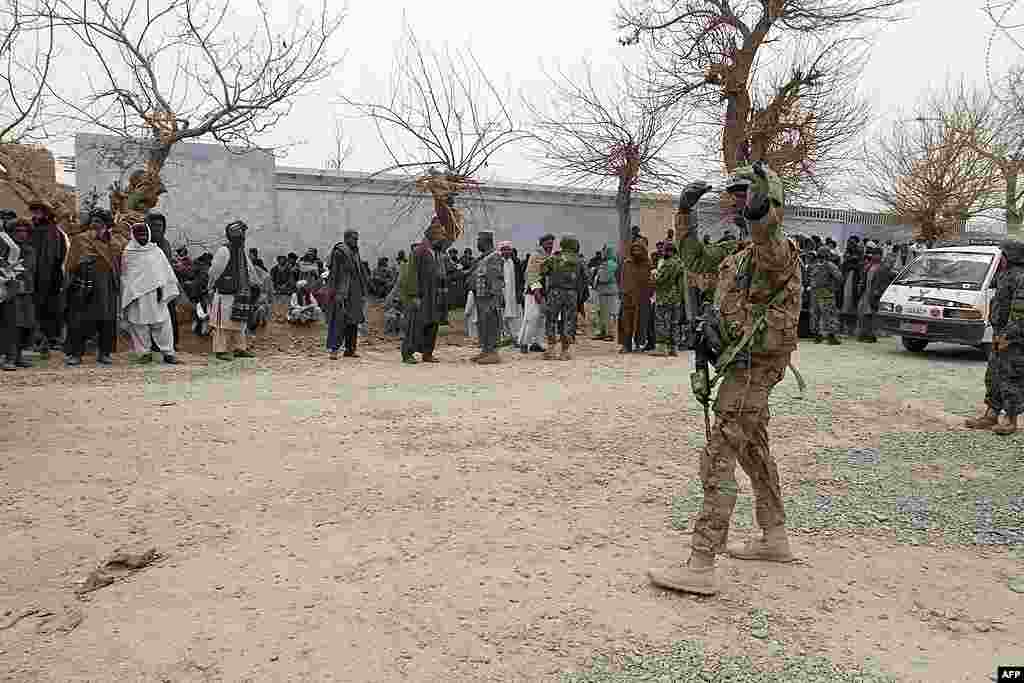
(943, 296)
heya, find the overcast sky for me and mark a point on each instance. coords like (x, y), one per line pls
(512, 41)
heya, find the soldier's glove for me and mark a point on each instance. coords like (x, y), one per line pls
(1000, 344)
(692, 193)
(757, 207)
(701, 386)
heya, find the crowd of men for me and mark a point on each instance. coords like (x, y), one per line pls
(74, 292)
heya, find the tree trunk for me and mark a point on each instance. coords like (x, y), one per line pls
(623, 201)
(1013, 208)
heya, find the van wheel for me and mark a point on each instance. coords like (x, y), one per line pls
(915, 345)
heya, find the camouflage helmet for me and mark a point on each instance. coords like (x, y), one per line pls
(569, 243)
(1013, 250)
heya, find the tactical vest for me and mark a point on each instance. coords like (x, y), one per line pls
(564, 275)
(227, 283)
(741, 302)
(821, 276)
(484, 280)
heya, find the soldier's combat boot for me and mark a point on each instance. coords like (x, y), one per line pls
(773, 546)
(549, 352)
(1007, 429)
(490, 358)
(697, 576)
(818, 339)
(566, 349)
(834, 340)
(987, 421)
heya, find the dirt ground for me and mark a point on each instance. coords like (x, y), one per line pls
(362, 520)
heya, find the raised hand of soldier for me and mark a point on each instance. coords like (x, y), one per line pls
(692, 193)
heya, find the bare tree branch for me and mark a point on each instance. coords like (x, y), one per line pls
(27, 51)
(180, 70)
(931, 169)
(725, 57)
(442, 122)
(623, 138)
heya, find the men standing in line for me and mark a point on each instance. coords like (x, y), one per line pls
(565, 285)
(512, 312)
(11, 269)
(95, 262)
(231, 274)
(24, 318)
(668, 299)
(825, 279)
(421, 288)
(489, 287)
(157, 224)
(636, 287)
(347, 288)
(148, 285)
(758, 297)
(533, 309)
(50, 245)
(605, 281)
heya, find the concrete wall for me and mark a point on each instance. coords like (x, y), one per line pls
(207, 187)
(292, 209)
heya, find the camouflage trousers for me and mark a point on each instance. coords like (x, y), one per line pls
(740, 435)
(560, 308)
(1007, 381)
(825, 314)
(667, 323)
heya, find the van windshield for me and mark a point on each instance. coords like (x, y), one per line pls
(947, 269)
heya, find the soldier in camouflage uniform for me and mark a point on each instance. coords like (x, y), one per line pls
(489, 287)
(825, 279)
(565, 284)
(1006, 371)
(758, 300)
(668, 299)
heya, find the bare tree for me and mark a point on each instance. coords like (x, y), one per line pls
(181, 70)
(342, 149)
(994, 129)
(441, 123)
(623, 138)
(784, 71)
(931, 171)
(26, 51)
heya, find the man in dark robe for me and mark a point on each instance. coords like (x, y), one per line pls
(157, 224)
(94, 263)
(422, 297)
(347, 289)
(50, 246)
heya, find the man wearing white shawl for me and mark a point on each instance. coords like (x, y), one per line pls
(512, 315)
(148, 283)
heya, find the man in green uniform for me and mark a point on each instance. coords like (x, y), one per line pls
(565, 286)
(758, 303)
(825, 279)
(668, 299)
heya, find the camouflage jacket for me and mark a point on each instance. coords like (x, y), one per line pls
(668, 281)
(824, 274)
(1008, 305)
(700, 260)
(749, 279)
